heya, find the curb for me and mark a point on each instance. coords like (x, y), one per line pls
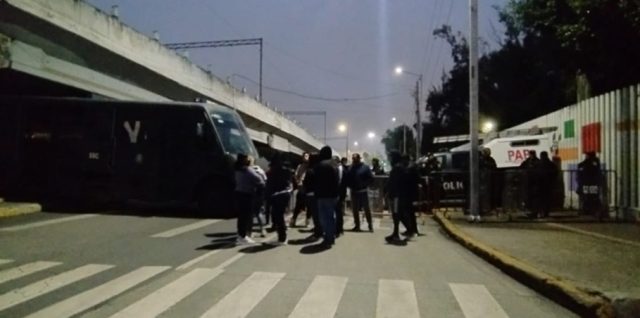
(582, 302)
(9, 209)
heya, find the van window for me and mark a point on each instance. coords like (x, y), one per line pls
(232, 134)
(523, 143)
(460, 161)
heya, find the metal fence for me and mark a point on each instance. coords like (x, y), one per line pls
(515, 191)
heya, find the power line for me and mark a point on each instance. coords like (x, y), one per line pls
(326, 99)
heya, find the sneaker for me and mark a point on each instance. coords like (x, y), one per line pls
(292, 224)
(356, 229)
(245, 240)
(371, 229)
(263, 233)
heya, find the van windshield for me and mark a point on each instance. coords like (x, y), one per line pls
(232, 132)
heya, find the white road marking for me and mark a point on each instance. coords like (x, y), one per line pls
(184, 229)
(81, 302)
(5, 261)
(45, 223)
(397, 298)
(241, 301)
(226, 263)
(196, 260)
(18, 296)
(321, 298)
(164, 298)
(24, 270)
(476, 301)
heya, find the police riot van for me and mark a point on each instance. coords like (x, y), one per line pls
(97, 151)
(452, 173)
(510, 152)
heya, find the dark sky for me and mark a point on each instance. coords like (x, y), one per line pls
(335, 49)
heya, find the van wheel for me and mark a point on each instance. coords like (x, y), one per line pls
(213, 201)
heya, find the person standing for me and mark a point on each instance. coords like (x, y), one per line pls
(278, 190)
(488, 184)
(408, 194)
(589, 183)
(341, 195)
(299, 176)
(392, 189)
(326, 191)
(527, 167)
(258, 202)
(310, 197)
(359, 179)
(247, 182)
(546, 174)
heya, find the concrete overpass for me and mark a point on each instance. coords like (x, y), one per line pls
(71, 46)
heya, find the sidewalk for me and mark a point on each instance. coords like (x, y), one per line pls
(590, 267)
(9, 209)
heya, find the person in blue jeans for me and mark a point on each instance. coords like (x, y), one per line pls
(359, 178)
(327, 185)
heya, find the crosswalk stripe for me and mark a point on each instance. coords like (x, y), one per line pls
(5, 261)
(184, 229)
(196, 260)
(42, 287)
(164, 298)
(44, 223)
(397, 298)
(24, 270)
(97, 295)
(321, 298)
(240, 301)
(476, 301)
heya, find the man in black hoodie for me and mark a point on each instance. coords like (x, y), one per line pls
(326, 191)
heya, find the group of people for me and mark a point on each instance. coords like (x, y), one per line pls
(320, 180)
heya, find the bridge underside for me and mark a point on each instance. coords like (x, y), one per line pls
(68, 48)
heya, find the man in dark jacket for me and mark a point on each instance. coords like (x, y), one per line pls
(409, 193)
(530, 185)
(278, 190)
(546, 174)
(359, 179)
(326, 192)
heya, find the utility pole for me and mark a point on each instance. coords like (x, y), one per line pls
(221, 43)
(418, 97)
(474, 173)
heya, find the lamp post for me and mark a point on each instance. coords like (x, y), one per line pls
(474, 173)
(418, 97)
(343, 128)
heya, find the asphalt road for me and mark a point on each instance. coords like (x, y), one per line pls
(104, 265)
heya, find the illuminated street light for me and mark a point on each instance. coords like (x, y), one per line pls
(488, 126)
(343, 128)
(399, 70)
(371, 135)
(355, 144)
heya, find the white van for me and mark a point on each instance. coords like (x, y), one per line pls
(510, 152)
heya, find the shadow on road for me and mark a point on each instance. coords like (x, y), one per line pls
(257, 248)
(314, 249)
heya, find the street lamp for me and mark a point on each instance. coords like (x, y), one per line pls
(371, 135)
(355, 144)
(488, 126)
(418, 97)
(343, 128)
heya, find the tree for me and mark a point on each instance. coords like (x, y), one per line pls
(552, 50)
(393, 139)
